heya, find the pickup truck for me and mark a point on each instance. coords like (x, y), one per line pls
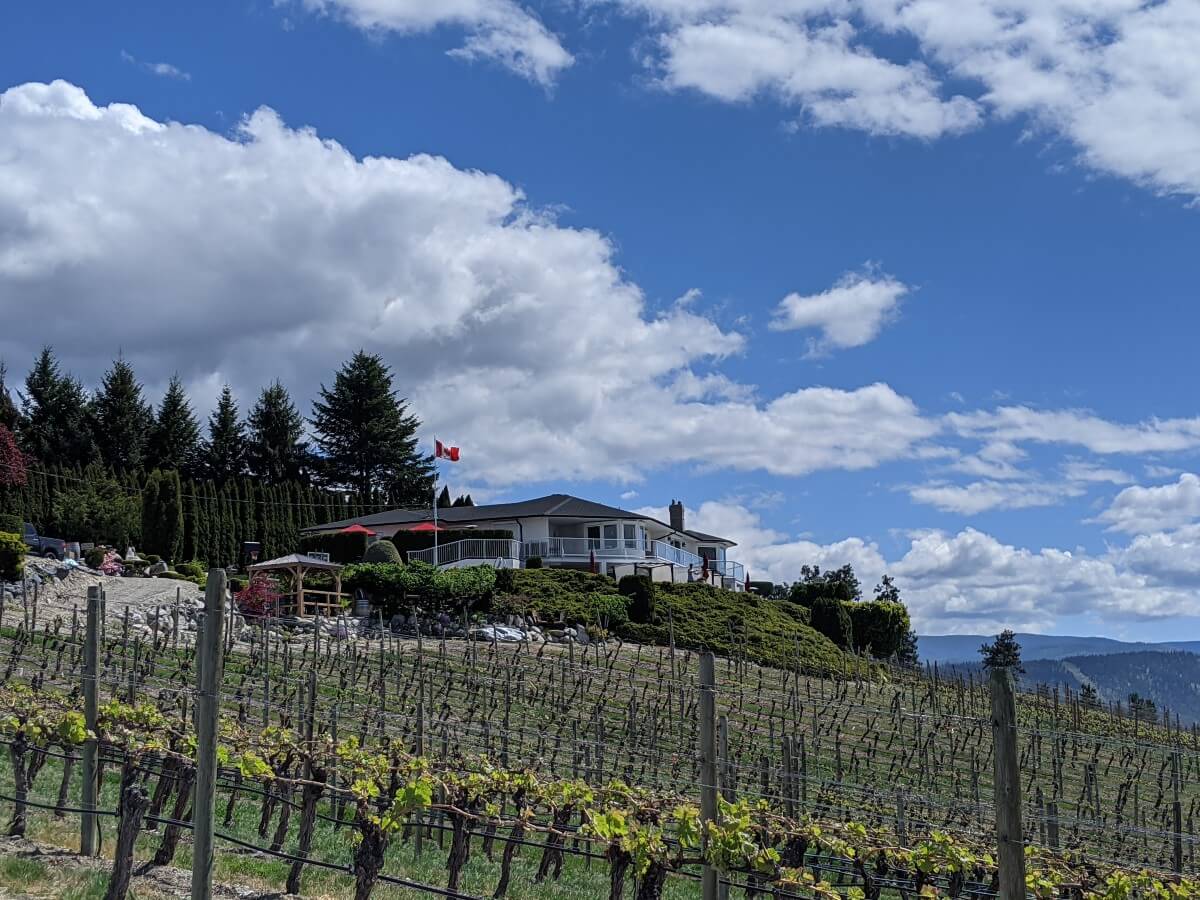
(51, 548)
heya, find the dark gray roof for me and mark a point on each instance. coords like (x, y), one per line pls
(701, 536)
(552, 505)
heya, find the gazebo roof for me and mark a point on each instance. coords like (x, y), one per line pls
(292, 560)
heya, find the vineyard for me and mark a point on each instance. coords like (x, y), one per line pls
(406, 768)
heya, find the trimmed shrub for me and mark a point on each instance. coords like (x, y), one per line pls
(193, 569)
(831, 618)
(879, 626)
(640, 591)
(383, 551)
(10, 523)
(12, 556)
(609, 611)
(504, 581)
(533, 562)
(153, 558)
(94, 558)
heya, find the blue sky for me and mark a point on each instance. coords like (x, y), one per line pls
(910, 286)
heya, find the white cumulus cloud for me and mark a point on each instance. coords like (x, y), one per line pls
(499, 30)
(1160, 507)
(849, 314)
(276, 253)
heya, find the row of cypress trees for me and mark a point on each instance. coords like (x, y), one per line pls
(178, 519)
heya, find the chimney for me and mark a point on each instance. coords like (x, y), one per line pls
(676, 509)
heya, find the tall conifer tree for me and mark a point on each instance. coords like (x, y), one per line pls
(54, 426)
(367, 437)
(225, 449)
(276, 450)
(121, 418)
(175, 438)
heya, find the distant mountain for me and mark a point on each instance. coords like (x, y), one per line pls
(951, 648)
(1170, 679)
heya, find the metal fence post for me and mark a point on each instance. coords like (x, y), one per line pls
(209, 661)
(91, 647)
(1009, 837)
(707, 709)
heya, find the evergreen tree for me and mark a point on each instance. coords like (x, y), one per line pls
(1003, 653)
(175, 438)
(367, 437)
(225, 449)
(120, 417)
(443, 500)
(54, 426)
(907, 655)
(276, 450)
(9, 415)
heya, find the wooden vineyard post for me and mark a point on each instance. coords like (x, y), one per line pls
(209, 661)
(87, 821)
(707, 710)
(1009, 838)
(1176, 815)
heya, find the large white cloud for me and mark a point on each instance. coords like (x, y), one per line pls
(1018, 424)
(499, 30)
(1120, 79)
(275, 253)
(849, 314)
(1156, 508)
(971, 582)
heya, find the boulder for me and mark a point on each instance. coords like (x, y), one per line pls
(158, 568)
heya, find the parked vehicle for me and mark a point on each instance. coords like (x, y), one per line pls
(51, 548)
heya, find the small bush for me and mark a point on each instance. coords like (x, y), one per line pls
(12, 556)
(260, 598)
(193, 569)
(830, 618)
(153, 558)
(383, 551)
(94, 558)
(609, 610)
(533, 562)
(504, 581)
(640, 591)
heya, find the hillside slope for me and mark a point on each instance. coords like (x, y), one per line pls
(703, 617)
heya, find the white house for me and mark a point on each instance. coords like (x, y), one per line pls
(570, 532)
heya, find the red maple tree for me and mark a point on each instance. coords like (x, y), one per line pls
(12, 461)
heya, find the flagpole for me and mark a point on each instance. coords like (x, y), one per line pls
(435, 505)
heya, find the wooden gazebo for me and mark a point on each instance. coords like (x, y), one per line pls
(296, 565)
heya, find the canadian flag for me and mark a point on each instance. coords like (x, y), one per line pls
(445, 451)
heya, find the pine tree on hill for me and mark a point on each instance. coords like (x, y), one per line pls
(225, 449)
(54, 426)
(9, 415)
(175, 438)
(443, 500)
(367, 438)
(276, 451)
(1003, 653)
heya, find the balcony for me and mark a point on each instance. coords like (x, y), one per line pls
(472, 551)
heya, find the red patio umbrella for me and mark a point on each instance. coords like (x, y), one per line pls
(424, 526)
(356, 529)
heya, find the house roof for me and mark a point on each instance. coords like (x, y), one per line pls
(551, 506)
(296, 559)
(701, 536)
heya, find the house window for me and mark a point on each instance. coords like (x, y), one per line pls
(631, 540)
(709, 553)
(610, 537)
(593, 533)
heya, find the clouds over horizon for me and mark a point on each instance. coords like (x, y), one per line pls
(969, 581)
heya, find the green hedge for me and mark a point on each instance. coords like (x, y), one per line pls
(12, 556)
(11, 524)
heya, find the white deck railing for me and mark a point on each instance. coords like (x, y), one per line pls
(483, 549)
